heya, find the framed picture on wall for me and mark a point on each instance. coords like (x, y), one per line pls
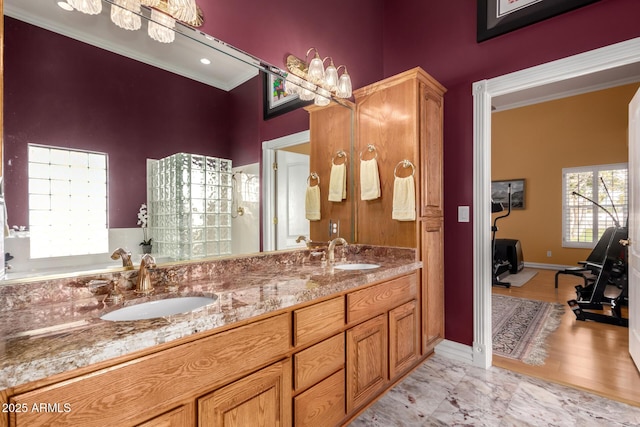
(496, 17)
(276, 100)
(500, 193)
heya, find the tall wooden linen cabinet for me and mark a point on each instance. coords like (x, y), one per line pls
(400, 120)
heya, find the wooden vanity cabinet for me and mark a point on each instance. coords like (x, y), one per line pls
(386, 344)
(315, 365)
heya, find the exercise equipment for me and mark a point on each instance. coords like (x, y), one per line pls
(604, 274)
(501, 266)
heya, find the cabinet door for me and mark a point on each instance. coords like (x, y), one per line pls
(430, 151)
(404, 338)
(432, 288)
(261, 399)
(366, 360)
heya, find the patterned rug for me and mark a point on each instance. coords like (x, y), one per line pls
(521, 326)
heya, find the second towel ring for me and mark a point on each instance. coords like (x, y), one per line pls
(339, 154)
(405, 164)
(371, 149)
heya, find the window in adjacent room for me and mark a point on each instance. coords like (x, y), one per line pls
(584, 222)
(67, 202)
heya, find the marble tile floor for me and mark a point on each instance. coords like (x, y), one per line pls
(445, 392)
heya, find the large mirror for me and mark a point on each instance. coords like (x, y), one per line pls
(69, 82)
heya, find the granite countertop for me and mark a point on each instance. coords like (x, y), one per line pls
(54, 326)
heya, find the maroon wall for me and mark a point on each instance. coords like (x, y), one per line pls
(440, 36)
(102, 102)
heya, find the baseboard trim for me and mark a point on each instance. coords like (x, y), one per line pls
(544, 266)
(455, 350)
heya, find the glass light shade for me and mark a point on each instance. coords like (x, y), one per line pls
(123, 14)
(90, 7)
(323, 97)
(183, 10)
(316, 70)
(161, 27)
(344, 86)
(331, 77)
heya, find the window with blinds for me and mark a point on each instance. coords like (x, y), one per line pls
(584, 222)
(67, 202)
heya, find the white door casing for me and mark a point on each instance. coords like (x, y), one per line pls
(634, 229)
(580, 65)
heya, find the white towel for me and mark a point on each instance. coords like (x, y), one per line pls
(312, 203)
(404, 199)
(369, 180)
(338, 183)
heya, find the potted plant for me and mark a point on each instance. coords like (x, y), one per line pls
(142, 222)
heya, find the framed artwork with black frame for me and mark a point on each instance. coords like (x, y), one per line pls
(276, 100)
(500, 192)
(496, 17)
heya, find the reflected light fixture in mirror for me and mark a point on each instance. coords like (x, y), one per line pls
(127, 14)
(313, 82)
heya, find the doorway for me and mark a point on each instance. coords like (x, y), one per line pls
(291, 149)
(568, 74)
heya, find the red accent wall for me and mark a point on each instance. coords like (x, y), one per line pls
(440, 36)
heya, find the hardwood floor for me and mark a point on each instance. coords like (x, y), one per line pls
(587, 355)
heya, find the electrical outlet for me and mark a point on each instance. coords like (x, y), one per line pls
(334, 228)
(548, 254)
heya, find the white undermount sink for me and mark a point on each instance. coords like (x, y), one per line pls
(356, 266)
(160, 308)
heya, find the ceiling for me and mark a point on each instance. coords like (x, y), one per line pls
(229, 67)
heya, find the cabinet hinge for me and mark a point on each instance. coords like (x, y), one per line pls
(275, 220)
(275, 166)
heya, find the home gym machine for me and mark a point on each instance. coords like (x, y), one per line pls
(605, 275)
(501, 267)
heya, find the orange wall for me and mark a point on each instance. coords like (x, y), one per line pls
(536, 142)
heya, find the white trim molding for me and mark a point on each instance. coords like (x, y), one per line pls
(269, 185)
(605, 58)
(454, 350)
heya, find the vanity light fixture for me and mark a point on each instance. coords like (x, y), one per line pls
(127, 14)
(311, 81)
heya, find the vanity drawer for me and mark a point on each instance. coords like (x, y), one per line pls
(317, 362)
(318, 321)
(138, 390)
(366, 303)
(323, 404)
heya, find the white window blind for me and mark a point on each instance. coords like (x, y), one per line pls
(584, 222)
(67, 202)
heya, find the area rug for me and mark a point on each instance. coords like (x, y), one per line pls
(521, 277)
(521, 326)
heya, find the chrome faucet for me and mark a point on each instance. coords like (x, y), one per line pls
(144, 285)
(332, 248)
(125, 256)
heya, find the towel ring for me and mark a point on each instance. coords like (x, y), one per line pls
(371, 149)
(405, 164)
(338, 155)
(313, 175)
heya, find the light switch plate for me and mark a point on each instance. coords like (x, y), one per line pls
(463, 213)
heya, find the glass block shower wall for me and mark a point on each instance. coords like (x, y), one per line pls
(190, 206)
